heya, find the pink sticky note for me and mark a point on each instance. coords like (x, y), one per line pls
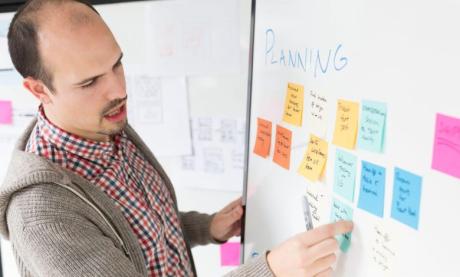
(446, 149)
(230, 254)
(6, 112)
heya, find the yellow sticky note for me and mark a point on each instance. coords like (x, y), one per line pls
(346, 124)
(293, 105)
(314, 161)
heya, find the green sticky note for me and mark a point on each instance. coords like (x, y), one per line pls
(345, 174)
(372, 127)
(341, 211)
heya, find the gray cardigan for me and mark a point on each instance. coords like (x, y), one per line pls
(60, 224)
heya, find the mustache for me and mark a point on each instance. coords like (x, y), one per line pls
(113, 104)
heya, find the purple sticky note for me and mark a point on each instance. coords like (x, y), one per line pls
(230, 254)
(6, 112)
(446, 149)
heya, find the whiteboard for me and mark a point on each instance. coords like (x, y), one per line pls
(400, 53)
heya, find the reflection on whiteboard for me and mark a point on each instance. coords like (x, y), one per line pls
(218, 156)
(158, 111)
(189, 40)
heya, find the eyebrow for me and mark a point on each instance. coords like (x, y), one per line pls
(86, 80)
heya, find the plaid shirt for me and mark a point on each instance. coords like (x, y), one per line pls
(120, 170)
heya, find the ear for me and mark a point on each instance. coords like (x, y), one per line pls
(38, 89)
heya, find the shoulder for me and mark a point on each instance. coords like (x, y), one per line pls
(44, 204)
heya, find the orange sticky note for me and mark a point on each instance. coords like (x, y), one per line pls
(314, 161)
(346, 124)
(293, 105)
(263, 138)
(282, 155)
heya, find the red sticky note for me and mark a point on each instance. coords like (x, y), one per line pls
(264, 137)
(282, 155)
(6, 112)
(230, 254)
(446, 149)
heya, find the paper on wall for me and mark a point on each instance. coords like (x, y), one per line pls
(158, 111)
(217, 161)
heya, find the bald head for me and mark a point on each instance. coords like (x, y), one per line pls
(28, 36)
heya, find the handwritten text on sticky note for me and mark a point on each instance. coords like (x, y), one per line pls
(371, 134)
(345, 174)
(446, 149)
(263, 138)
(372, 191)
(230, 254)
(346, 124)
(314, 161)
(341, 211)
(282, 155)
(406, 197)
(317, 113)
(293, 105)
(6, 112)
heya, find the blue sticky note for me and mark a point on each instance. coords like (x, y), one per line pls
(372, 191)
(372, 127)
(341, 211)
(406, 198)
(345, 174)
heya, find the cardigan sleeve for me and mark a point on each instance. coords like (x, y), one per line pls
(50, 239)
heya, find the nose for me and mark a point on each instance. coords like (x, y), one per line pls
(117, 85)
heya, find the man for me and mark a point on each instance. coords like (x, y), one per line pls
(83, 195)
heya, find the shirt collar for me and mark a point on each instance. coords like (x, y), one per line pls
(85, 148)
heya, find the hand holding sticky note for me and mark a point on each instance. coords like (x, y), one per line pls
(314, 161)
(293, 105)
(263, 138)
(341, 211)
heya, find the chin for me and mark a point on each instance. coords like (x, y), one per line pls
(116, 128)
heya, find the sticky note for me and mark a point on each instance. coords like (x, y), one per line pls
(446, 149)
(263, 138)
(6, 112)
(319, 203)
(372, 191)
(317, 108)
(371, 134)
(230, 254)
(346, 124)
(345, 174)
(282, 155)
(341, 211)
(293, 105)
(407, 190)
(314, 161)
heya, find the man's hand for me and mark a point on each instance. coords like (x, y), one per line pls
(227, 222)
(310, 253)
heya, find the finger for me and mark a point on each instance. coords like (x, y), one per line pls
(323, 232)
(237, 232)
(326, 273)
(322, 249)
(232, 217)
(322, 264)
(233, 204)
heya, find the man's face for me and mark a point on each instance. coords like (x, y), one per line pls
(89, 97)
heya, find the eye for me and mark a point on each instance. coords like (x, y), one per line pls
(118, 64)
(89, 84)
